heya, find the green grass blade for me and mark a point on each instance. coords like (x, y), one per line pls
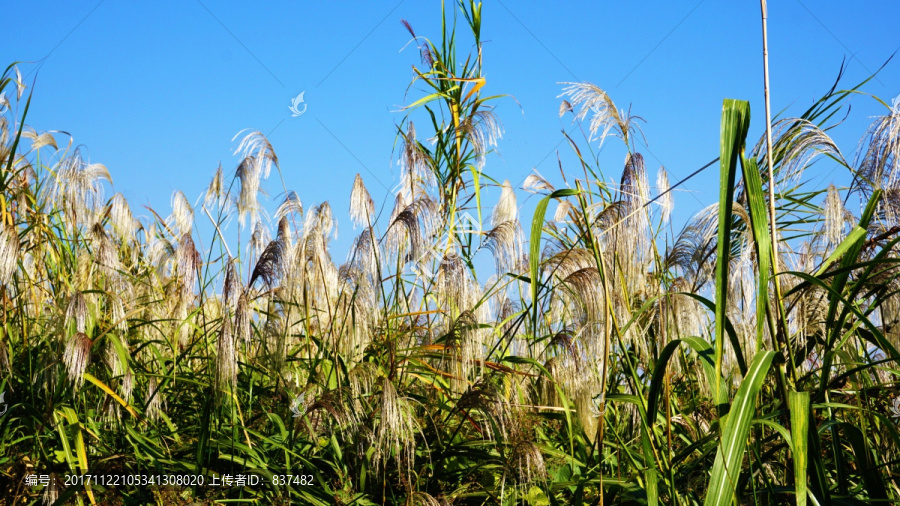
(735, 122)
(534, 248)
(798, 404)
(735, 429)
(759, 221)
(534, 257)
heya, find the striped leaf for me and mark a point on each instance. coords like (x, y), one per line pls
(735, 429)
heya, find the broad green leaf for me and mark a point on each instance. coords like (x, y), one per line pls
(735, 122)
(798, 404)
(735, 428)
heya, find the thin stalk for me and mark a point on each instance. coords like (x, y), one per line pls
(773, 227)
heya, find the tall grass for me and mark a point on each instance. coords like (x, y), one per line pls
(602, 362)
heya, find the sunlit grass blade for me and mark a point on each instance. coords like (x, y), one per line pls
(735, 122)
(735, 427)
(798, 404)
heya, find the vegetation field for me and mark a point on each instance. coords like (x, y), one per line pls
(462, 352)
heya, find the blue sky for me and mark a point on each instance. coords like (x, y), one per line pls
(156, 91)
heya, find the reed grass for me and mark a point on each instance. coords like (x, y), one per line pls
(601, 362)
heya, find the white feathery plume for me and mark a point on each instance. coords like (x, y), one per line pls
(397, 429)
(362, 207)
(258, 241)
(665, 196)
(258, 156)
(76, 313)
(411, 229)
(695, 249)
(452, 282)
(155, 399)
(231, 287)
(226, 359)
(78, 187)
(189, 261)
(563, 208)
(606, 118)
(506, 237)
(243, 320)
(126, 385)
(117, 311)
(535, 183)
(77, 356)
(365, 253)
(123, 222)
(414, 161)
(798, 142)
(289, 206)
(881, 163)
(505, 210)
(182, 213)
(216, 193)
(527, 459)
(159, 248)
(320, 221)
(835, 217)
(9, 253)
(482, 129)
(106, 254)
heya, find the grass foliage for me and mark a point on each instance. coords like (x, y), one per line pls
(605, 359)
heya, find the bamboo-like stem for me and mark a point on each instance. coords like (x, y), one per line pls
(773, 227)
(769, 163)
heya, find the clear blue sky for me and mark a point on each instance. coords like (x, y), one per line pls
(157, 90)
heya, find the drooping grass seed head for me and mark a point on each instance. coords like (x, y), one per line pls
(483, 130)
(155, 401)
(271, 264)
(258, 157)
(78, 188)
(665, 200)
(835, 218)
(123, 222)
(417, 175)
(452, 285)
(9, 253)
(216, 195)
(606, 118)
(182, 213)
(226, 360)
(258, 242)
(564, 210)
(243, 320)
(362, 207)
(798, 142)
(505, 242)
(189, 262)
(77, 313)
(397, 429)
(289, 207)
(410, 231)
(535, 183)
(76, 357)
(231, 287)
(526, 461)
